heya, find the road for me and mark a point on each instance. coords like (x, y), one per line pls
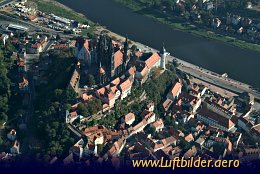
(5, 2)
(207, 75)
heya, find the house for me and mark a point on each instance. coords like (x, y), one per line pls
(141, 73)
(167, 104)
(125, 88)
(85, 97)
(98, 138)
(24, 85)
(215, 118)
(189, 138)
(175, 91)
(250, 124)
(235, 19)
(188, 102)
(158, 125)
(71, 117)
(60, 47)
(117, 147)
(21, 66)
(139, 127)
(169, 141)
(144, 67)
(117, 88)
(36, 48)
(148, 116)
(106, 96)
(129, 118)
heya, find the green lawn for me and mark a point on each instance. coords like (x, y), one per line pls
(51, 7)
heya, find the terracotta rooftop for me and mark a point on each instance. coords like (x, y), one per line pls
(37, 45)
(177, 86)
(60, 46)
(166, 104)
(152, 60)
(129, 117)
(189, 138)
(158, 123)
(125, 85)
(118, 59)
(116, 81)
(221, 120)
(86, 97)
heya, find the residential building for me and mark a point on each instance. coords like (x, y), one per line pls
(36, 48)
(175, 91)
(129, 118)
(158, 125)
(215, 119)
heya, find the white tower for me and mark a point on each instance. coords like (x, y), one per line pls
(163, 55)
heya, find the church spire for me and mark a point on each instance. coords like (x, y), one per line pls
(125, 50)
(163, 50)
(163, 55)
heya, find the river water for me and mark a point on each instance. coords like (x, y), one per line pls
(240, 64)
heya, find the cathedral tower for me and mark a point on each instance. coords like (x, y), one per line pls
(163, 55)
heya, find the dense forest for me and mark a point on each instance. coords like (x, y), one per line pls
(48, 122)
(5, 83)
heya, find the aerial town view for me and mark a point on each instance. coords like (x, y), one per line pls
(139, 86)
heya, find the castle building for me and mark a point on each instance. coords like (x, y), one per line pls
(144, 67)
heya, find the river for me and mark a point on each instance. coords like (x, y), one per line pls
(240, 64)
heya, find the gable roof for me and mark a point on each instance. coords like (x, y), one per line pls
(176, 87)
(125, 85)
(221, 120)
(152, 60)
(118, 59)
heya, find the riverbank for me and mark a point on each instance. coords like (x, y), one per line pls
(136, 7)
(58, 9)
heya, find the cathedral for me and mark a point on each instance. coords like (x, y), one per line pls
(107, 59)
(112, 59)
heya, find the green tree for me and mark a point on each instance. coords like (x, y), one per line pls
(82, 110)
(91, 80)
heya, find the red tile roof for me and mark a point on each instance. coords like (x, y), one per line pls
(177, 86)
(20, 63)
(129, 117)
(118, 59)
(116, 81)
(221, 120)
(125, 85)
(37, 45)
(152, 60)
(86, 97)
(60, 46)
